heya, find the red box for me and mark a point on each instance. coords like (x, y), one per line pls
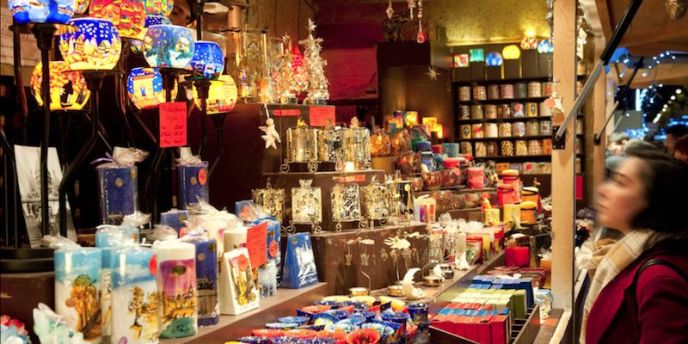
(499, 329)
(483, 325)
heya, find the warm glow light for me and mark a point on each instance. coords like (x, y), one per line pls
(41, 11)
(461, 60)
(529, 42)
(169, 46)
(94, 45)
(127, 15)
(477, 55)
(349, 166)
(545, 46)
(208, 61)
(67, 88)
(222, 95)
(494, 59)
(439, 129)
(144, 87)
(511, 52)
(410, 118)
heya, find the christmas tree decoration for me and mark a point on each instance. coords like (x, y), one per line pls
(432, 73)
(317, 82)
(284, 72)
(94, 45)
(159, 7)
(67, 88)
(222, 95)
(494, 59)
(271, 135)
(41, 11)
(127, 15)
(477, 55)
(511, 52)
(144, 87)
(299, 81)
(208, 62)
(169, 46)
(545, 46)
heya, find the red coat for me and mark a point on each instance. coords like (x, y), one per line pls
(661, 301)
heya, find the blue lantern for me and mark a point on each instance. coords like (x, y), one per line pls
(208, 60)
(168, 46)
(41, 11)
(144, 87)
(94, 45)
(494, 59)
(545, 46)
(156, 20)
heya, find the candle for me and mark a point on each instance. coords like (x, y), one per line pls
(175, 218)
(235, 238)
(77, 290)
(517, 256)
(512, 213)
(135, 297)
(460, 261)
(206, 279)
(193, 183)
(177, 286)
(424, 210)
(118, 191)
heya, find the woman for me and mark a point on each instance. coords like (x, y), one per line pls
(639, 293)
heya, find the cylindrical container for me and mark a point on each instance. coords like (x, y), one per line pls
(517, 110)
(193, 183)
(531, 109)
(506, 91)
(521, 148)
(517, 256)
(503, 111)
(528, 211)
(427, 159)
(206, 279)
(464, 112)
(547, 146)
(492, 149)
(493, 92)
(491, 130)
(399, 320)
(521, 90)
(176, 262)
(547, 89)
(507, 148)
(505, 194)
(465, 93)
(346, 202)
(532, 128)
(531, 194)
(419, 313)
(505, 129)
(476, 112)
(424, 210)
(451, 175)
(519, 129)
(401, 201)
(77, 290)
(356, 144)
(117, 191)
(534, 147)
(302, 144)
(437, 149)
(479, 93)
(545, 111)
(135, 297)
(477, 131)
(466, 148)
(330, 145)
(534, 89)
(546, 127)
(490, 111)
(451, 149)
(465, 131)
(476, 178)
(480, 150)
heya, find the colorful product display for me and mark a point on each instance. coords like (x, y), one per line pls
(144, 87)
(168, 46)
(193, 183)
(43, 11)
(222, 95)
(67, 88)
(94, 45)
(208, 61)
(208, 306)
(127, 15)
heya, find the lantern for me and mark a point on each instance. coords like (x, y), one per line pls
(155, 20)
(41, 11)
(222, 95)
(461, 60)
(67, 88)
(529, 43)
(494, 59)
(208, 61)
(144, 87)
(127, 15)
(159, 7)
(511, 52)
(168, 46)
(477, 55)
(81, 6)
(545, 47)
(95, 45)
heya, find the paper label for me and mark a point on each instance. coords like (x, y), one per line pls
(172, 124)
(256, 243)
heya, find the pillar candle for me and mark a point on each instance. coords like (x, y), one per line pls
(424, 210)
(77, 290)
(175, 218)
(135, 297)
(512, 213)
(177, 286)
(206, 279)
(517, 256)
(234, 238)
(118, 192)
(193, 183)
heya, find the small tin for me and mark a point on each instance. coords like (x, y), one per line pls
(476, 111)
(534, 89)
(490, 111)
(466, 148)
(464, 112)
(507, 148)
(505, 129)
(521, 90)
(493, 92)
(545, 110)
(465, 131)
(534, 147)
(479, 93)
(465, 93)
(521, 148)
(492, 149)
(547, 89)
(532, 128)
(477, 131)
(531, 109)
(506, 91)
(546, 127)
(504, 111)
(547, 146)
(395, 290)
(519, 129)
(480, 150)
(517, 110)
(491, 130)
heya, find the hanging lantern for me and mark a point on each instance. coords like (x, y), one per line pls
(529, 43)
(208, 61)
(222, 95)
(95, 45)
(41, 11)
(494, 59)
(168, 46)
(81, 6)
(159, 7)
(68, 89)
(511, 52)
(144, 87)
(477, 55)
(127, 15)
(545, 47)
(461, 60)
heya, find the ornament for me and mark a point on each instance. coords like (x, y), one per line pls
(168, 46)
(461, 60)
(477, 55)
(94, 45)
(676, 8)
(529, 43)
(494, 59)
(127, 15)
(208, 61)
(545, 46)
(432, 73)
(222, 95)
(511, 52)
(314, 72)
(68, 89)
(420, 37)
(271, 134)
(390, 10)
(41, 11)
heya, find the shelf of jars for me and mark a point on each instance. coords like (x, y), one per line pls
(508, 119)
(511, 138)
(501, 100)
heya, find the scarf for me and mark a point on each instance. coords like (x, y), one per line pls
(619, 256)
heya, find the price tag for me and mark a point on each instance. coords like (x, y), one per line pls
(172, 124)
(257, 245)
(321, 116)
(286, 113)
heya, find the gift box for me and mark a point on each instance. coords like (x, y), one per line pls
(239, 288)
(118, 192)
(193, 183)
(299, 262)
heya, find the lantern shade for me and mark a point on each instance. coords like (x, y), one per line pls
(94, 45)
(68, 89)
(41, 11)
(127, 15)
(545, 46)
(159, 7)
(208, 60)
(477, 55)
(81, 6)
(461, 60)
(511, 52)
(222, 95)
(529, 43)
(494, 59)
(155, 20)
(168, 46)
(144, 87)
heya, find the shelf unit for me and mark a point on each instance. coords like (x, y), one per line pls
(508, 119)
(502, 100)
(512, 138)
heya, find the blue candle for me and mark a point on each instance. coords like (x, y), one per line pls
(206, 279)
(193, 183)
(118, 192)
(174, 218)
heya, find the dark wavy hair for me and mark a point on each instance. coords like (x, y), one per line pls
(665, 180)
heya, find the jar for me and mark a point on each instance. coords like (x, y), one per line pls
(505, 129)
(512, 177)
(507, 148)
(432, 180)
(505, 194)
(476, 111)
(302, 144)
(464, 112)
(466, 148)
(427, 159)
(480, 150)
(306, 203)
(493, 92)
(451, 149)
(506, 91)
(531, 194)
(491, 130)
(490, 111)
(547, 146)
(547, 89)
(477, 131)
(534, 89)
(356, 142)
(451, 175)
(330, 144)
(545, 110)
(528, 211)
(531, 109)
(521, 90)
(476, 178)
(534, 147)
(517, 110)
(465, 93)
(479, 93)
(465, 131)
(546, 127)
(504, 111)
(519, 129)
(521, 148)
(492, 149)
(346, 204)
(532, 128)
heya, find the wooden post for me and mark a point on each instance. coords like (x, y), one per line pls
(599, 100)
(563, 160)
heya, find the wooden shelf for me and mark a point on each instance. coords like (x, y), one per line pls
(498, 120)
(500, 81)
(531, 137)
(520, 157)
(502, 101)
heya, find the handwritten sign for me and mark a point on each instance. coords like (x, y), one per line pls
(257, 244)
(321, 116)
(286, 113)
(355, 178)
(172, 124)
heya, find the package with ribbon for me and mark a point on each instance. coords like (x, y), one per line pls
(117, 183)
(192, 174)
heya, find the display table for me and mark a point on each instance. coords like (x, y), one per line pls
(284, 303)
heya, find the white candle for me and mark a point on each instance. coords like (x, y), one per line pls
(177, 286)
(235, 238)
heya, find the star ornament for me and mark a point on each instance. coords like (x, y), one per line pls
(311, 25)
(432, 73)
(271, 135)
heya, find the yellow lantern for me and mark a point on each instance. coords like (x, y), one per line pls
(511, 52)
(222, 95)
(68, 89)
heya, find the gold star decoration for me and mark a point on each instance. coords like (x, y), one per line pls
(432, 73)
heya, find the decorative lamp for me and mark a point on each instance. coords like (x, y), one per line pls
(127, 15)
(81, 6)
(477, 55)
(67, 88)
(545, 46)
(41, 11)
(511, 52)
(494, 59)
(168, 46)
(159, 7)
(208, 60)
(95, 45)
(461, 60)
(155, 20)
(144, 87)
(222, 96)
(529, 43)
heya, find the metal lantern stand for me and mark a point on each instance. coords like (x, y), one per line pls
(203, 88)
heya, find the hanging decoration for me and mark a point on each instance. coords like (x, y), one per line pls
(168, 46)
(676, 9)
(127, 15)
(317, 82)
(511, 52)
(41, 11)
(432, 73)
(68, 89)
(494, 59)
(461, 60)
(420, 37)
(390, 10)
(222, 95)
(95, 45)
(271, 135)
